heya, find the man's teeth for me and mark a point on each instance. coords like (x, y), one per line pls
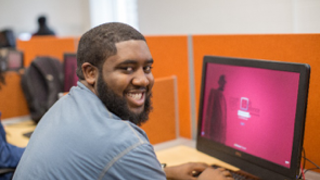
(135, 96)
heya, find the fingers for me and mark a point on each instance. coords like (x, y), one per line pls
(185, 171)
(218, 174)
(199, 166)
(226, 173)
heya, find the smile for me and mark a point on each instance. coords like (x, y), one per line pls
(136, 96)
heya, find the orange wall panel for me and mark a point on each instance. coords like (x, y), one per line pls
(161, 125)
(46, 46)
(170, 54)
(303, 48)
(13, 102)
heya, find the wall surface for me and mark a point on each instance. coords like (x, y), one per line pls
(178, 17)
(228, 17)
(66, 18)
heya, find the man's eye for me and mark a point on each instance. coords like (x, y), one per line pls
(147, 68)
(129, 69)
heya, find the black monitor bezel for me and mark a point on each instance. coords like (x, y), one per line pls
(265, 169)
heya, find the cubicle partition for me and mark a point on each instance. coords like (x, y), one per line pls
(170, 54)
(163, 122)
(13, 102)
(46, 46)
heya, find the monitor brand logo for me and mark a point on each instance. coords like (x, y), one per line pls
(238, 154)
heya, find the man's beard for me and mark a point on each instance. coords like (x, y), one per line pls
(118, 105)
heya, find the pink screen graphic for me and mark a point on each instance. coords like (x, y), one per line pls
(14, 60)
(251, 110)
(70, 75)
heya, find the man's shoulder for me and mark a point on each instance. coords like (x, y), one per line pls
(137, 132)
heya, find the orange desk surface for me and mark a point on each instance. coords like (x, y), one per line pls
(180, 154)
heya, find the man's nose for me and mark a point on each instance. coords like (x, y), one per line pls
(140, 78)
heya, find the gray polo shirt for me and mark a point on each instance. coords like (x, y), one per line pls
(78, 138)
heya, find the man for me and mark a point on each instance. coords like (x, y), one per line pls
(9, 156)
(92, 132)
(43, 29)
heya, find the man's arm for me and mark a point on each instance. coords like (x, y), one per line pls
(141, 163)
(138, 163)
(9, 154)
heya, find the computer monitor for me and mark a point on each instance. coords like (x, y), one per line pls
(15, 60)
(11, 59)
(70, 67)
(252, 114)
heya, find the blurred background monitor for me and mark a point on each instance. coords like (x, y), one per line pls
(70, 67)
(11, 59)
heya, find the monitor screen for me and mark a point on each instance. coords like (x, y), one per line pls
(70, 67)
(14, 60)
(11, 59)
(250, 111)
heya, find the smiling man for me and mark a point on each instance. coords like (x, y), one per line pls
(125, 81)
(93, 132)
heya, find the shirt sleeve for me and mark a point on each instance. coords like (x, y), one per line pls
(139, 163)
(9, 154)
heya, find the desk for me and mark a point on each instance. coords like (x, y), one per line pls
(180, 152)
(14, 132)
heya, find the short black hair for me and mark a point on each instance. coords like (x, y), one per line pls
(99, 43)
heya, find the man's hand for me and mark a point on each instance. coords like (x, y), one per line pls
(188, 170)
(215, 174)
(184, 171)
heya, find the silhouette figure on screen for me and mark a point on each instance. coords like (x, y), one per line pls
(215, 118)
(43, 27)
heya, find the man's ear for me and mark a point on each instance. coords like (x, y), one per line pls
(90, 73)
